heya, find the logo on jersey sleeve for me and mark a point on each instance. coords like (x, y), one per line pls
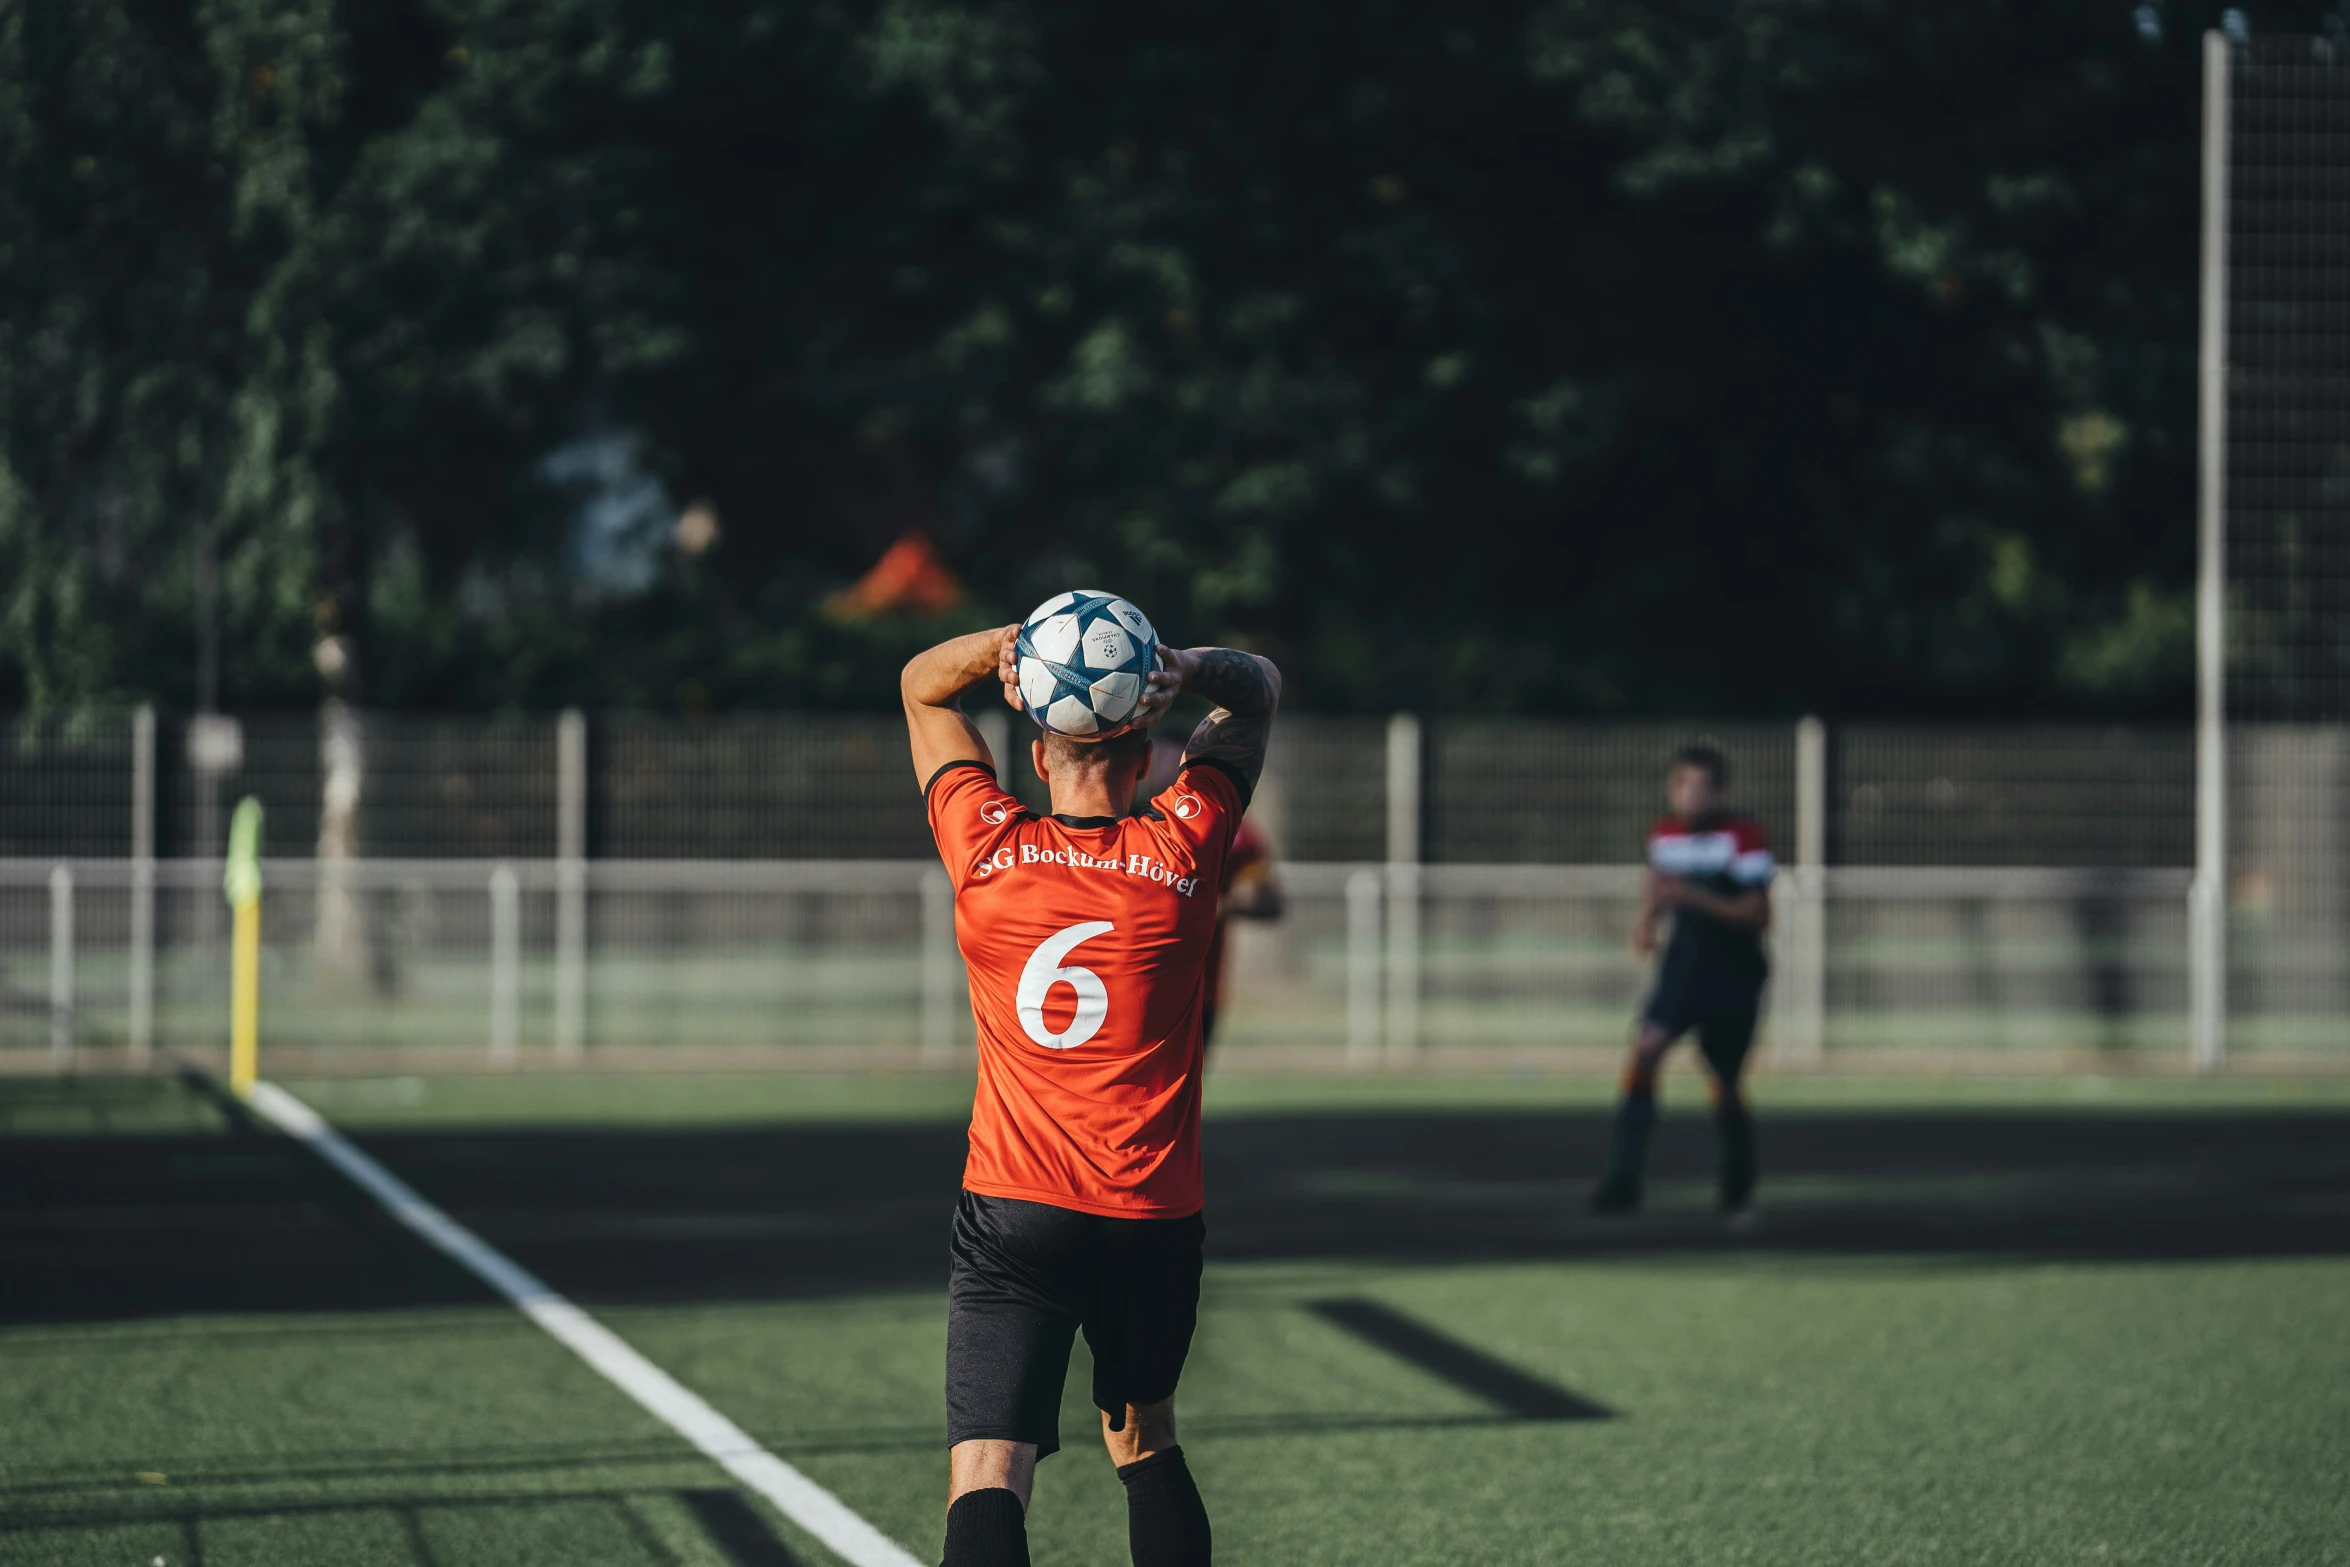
(995, 812)
(1187, 806)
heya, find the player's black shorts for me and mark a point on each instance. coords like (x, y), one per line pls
(1025, 1277)
(1723, 1017)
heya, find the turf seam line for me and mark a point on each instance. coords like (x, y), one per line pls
(797, 1497)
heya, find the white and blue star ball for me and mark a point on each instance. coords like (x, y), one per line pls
(1084, 659)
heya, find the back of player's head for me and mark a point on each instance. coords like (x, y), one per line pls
(1061, 751)
(1707, 760)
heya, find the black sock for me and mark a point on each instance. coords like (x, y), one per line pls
(1166, 1522)
(987, 1529)
(1628, 1154)
(1734, 1128)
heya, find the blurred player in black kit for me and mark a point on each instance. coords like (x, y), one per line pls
(1249, 890)
(1709, 872)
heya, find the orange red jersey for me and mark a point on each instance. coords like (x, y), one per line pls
(1087, 946)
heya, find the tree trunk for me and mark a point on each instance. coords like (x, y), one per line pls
(342, 770)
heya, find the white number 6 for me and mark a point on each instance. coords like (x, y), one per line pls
(1044, 972)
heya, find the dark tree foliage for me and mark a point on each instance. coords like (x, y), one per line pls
(166, 383)
(1601, 356)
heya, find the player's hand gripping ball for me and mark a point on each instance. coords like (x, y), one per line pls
(1084, 662)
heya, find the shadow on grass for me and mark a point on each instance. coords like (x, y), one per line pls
(1516, 1393)
(106, 1225)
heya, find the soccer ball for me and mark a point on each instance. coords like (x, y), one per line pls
(1084, 659)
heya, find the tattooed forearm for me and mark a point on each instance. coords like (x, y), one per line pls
(1237, 682)
(1237, 742)
(1246, 689)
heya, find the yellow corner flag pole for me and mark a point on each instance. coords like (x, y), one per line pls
(242, 883)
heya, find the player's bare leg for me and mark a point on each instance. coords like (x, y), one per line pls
(985, 1464)
(1147, 1429)
(1166, 1522)
(1619, 1190)
(988, 1486)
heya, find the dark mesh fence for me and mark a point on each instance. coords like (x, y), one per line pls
(2286, 529)
(1504, 792)
(65, 785)
(756, 786)
(1984, 795)
(2288, 381)
(1326, 788)
(782, 786)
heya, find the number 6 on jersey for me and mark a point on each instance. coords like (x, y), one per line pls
(1044, 971)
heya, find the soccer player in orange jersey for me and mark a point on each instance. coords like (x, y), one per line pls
(1086, 934)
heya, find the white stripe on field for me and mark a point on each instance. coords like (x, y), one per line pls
(797, 1497)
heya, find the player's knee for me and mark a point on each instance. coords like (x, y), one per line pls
(1647, 1057)
(1147, 1429)
(984, 1464)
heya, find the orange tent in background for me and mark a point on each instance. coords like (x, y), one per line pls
(909, 579)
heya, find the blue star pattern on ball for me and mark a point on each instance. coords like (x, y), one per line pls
(1084, 658)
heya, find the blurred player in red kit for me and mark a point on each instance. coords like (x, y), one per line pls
(1250, 891)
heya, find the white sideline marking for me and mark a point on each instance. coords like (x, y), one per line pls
(799, 1498)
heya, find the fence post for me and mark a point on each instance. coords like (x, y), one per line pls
(215, 749)
(1362, 968)
(1403, 888)
(2207, 903)
(60, 966)
(505, 966)
(1804, 979)
(142, 976)
(938, 968)
(341, 911)
(571, 886)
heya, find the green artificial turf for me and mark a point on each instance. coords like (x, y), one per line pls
(454, 1436)
(1766, 1412)
(1764, 1409)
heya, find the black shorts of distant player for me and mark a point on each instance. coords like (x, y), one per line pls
(1720, 1011)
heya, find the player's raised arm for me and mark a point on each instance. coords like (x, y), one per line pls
(939, 731)
(1246, 690)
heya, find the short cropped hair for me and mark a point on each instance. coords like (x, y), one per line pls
(1132, 745)
(1706, 760)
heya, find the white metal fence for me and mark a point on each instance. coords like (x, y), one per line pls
(846, 962)
(1457, 886)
